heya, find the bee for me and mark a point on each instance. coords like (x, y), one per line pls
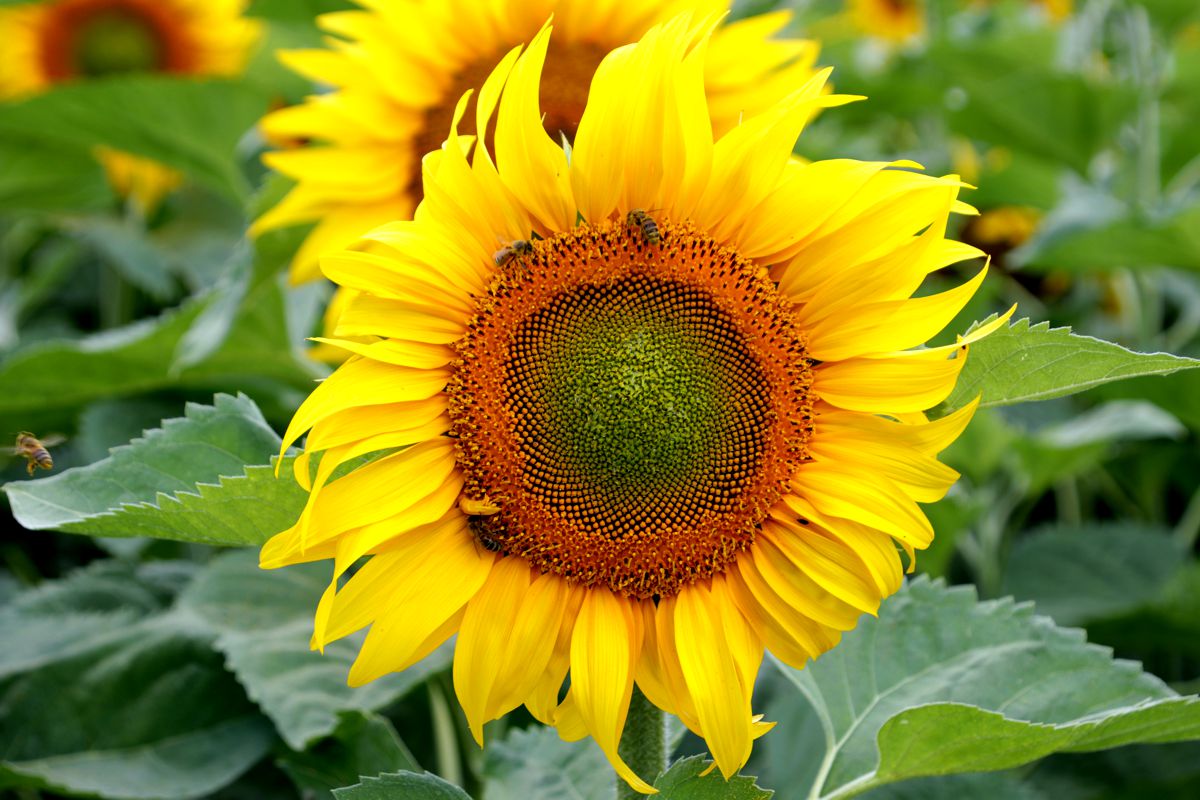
(513, 250)
(484, 537)
(481, 519)
(640, 219)
(35, 450)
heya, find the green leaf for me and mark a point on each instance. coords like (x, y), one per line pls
(191, 125)
(125, 247)
(1025, 362)
(1015, 102)
(97, 603)
(940, 684)
(362, 744)
(174, 483)
(264, 620)
(1100, 242)
(683, 781)
(258, 354)
(987, 786)
(1077, 575)
(39, 176)
(122, 703)
(402, 786)
(1078, 444)
(536, 764)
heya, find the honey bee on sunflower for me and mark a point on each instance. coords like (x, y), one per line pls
(688, 453)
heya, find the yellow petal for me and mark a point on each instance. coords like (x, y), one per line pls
(533, 166)
(604, 650)
(864, 497)
(713, 677)
(481, 645)
(427, 595)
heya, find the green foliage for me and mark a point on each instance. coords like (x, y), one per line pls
(40, 176)
(1082, 574)
(402, 786)
(264, 622)
(363, 743)
(685, 781)
(194, 127)
(105, 695)
(1024, 362)
(174, 483)
(941, 684)
(535, 764)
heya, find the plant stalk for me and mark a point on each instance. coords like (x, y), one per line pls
(643, 744)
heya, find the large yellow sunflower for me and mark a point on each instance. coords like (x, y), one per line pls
(52, 42)
(399, 68)
(670, 423)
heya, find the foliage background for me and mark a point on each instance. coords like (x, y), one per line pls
(141, 661)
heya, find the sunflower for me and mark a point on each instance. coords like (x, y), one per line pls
(670, 423)
(894, 20)
(399, 68)
(57, 41)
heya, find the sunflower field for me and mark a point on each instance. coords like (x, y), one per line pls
(586, 400)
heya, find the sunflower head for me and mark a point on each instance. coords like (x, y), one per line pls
(649, 407)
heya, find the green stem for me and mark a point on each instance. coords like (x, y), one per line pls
(445, 740)
(643, 744)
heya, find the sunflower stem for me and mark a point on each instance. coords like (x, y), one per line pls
(643, 744)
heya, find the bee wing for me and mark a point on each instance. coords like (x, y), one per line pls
(53, 440)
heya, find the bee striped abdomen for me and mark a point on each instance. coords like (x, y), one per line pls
(640, 219)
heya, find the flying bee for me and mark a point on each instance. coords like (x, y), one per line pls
(516, 249)
(35, 450)
(640, 219)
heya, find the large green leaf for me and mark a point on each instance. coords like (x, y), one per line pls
(685, 780)
(1091, 572)
(40, 176)
(1101, 243)
(1015, 102)
(941, 684)
(1024, 362)
(102, 695)
(536, 764)
(402, 786)
(264, 620)
(62, 618)
(986, 786)
(173, 483)
(191, 125)
(362, 744)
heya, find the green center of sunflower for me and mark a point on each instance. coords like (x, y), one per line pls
(640, 387)
(630, 411)
(114, 42)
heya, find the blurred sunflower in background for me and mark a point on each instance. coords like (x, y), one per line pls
(896, 21)
(397, 69)
(674, 421)
(59, 41)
